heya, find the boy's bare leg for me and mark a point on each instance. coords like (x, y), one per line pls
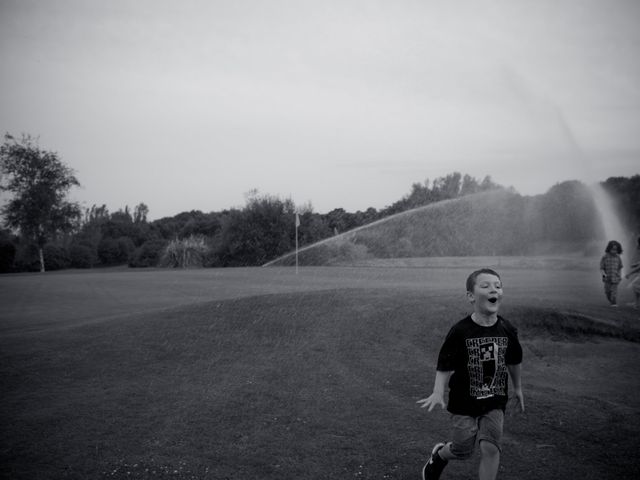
(445, 452)
(489, 461)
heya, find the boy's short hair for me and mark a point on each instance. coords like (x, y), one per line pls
(612, 244)
(471, 279)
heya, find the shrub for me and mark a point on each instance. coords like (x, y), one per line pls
(27, 258)
(113, 251)
(82, 256)
(126, 247)
(108, 251)
(185, 253)
(55, 257)
(148, 254)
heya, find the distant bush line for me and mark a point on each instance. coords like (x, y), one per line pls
(497, 222)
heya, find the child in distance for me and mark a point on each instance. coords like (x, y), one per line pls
(610, 269)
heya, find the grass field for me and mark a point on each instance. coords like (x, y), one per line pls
(261, 373)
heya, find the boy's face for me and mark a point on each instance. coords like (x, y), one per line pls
(486, 295)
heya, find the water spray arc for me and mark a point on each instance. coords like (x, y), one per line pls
(497, 222)
(611, 224)
(348, 235)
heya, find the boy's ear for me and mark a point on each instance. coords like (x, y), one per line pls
(470, 297)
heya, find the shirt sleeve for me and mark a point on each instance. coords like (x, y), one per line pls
(448, 353)
(513, 356)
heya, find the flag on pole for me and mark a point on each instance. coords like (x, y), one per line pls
(297, 220)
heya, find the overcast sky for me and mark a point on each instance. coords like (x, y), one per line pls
(188, 105)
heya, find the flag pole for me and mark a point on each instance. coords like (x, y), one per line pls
(297, 225)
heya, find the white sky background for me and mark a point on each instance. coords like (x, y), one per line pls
(188, 105)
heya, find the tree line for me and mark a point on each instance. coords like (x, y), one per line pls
(42, 229)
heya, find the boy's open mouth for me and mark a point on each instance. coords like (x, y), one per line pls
(493, 299)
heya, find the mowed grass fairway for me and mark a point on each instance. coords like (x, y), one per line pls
(262, 373)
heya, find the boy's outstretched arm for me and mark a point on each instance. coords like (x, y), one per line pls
(514, 373)
(437, 397)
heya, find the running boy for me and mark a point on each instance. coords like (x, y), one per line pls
(477, 356)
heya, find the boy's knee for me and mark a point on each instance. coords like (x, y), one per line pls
(463, 450)
(489, 449)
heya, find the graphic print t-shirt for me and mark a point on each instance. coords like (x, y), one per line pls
(478, 357)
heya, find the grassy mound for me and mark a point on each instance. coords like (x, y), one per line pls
(570, 326)
(497, 222)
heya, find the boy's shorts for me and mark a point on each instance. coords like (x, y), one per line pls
(468, 430)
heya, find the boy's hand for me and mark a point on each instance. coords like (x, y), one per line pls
(518, 394)
(434, 399)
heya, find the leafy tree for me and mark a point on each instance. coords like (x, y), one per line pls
(39, 182)
(140, 213)
(337, 220)
(263, 230)
(82, 256)
(148, 254)
(469, 186)
(96, 214)
(488, 184)
(113, 251)
(120, 224)
(450, 186)
(57, 257)
(313, 228)
(200, 224)
(89, 235)
(123, 224)
(568, 211)
(447, 187)
(626, 195)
